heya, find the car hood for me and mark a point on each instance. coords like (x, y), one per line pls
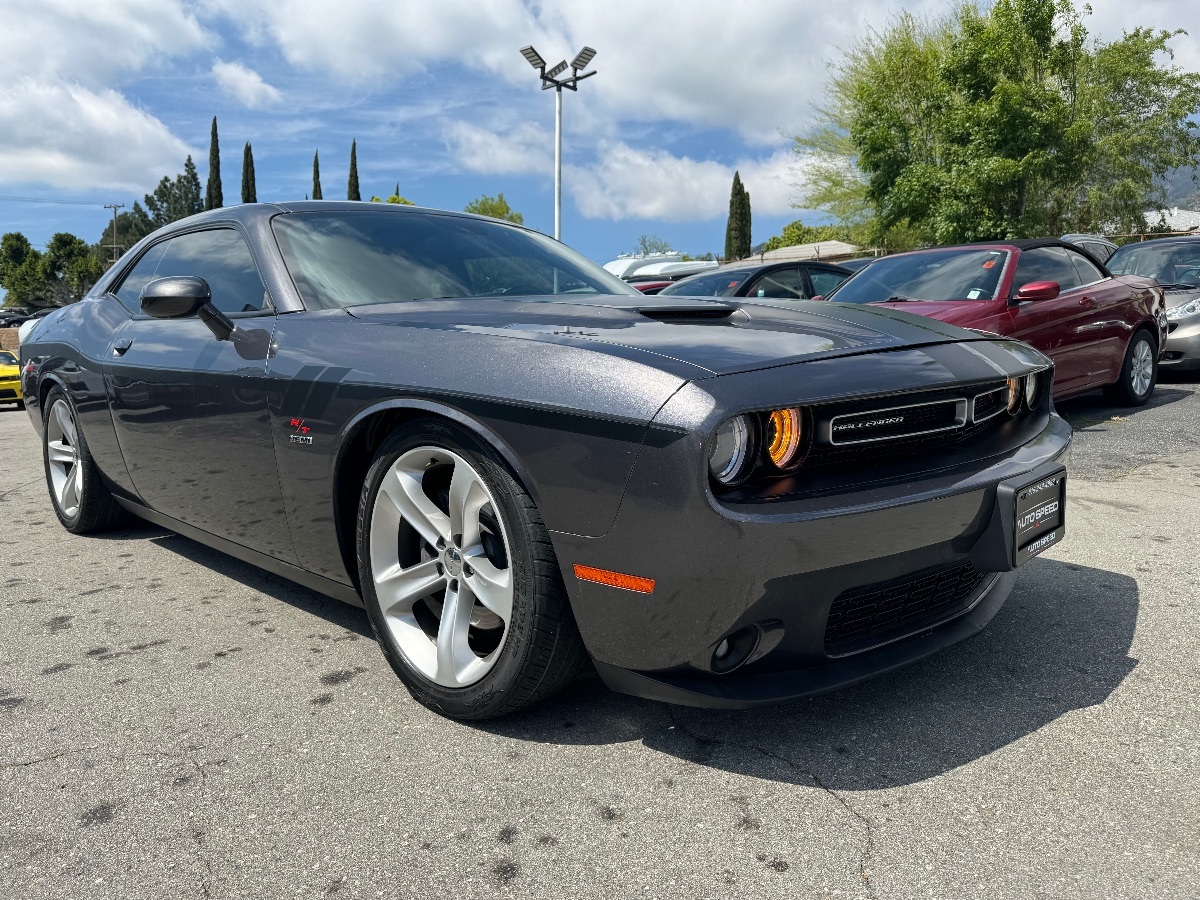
(683, 334)
(1180, 297)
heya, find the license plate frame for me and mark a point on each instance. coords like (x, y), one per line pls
(1039, 516)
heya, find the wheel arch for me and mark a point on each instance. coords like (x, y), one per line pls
(365, 433)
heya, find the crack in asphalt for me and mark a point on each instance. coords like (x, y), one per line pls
(21, 763)
(19, 487)
(868, 851)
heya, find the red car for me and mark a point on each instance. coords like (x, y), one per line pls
(1101, 330)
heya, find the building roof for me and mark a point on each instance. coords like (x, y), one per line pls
(1176, 219)
(830, 250)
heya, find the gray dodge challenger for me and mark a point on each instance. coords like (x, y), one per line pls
(518, 464)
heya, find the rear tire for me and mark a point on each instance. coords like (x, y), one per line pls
(1139, 372)
(81, 500)
(459, 579)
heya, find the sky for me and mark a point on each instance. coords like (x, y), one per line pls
(103, 98)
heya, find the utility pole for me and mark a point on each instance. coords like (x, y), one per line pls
(114, 207)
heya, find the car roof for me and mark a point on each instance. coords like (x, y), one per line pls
(1171, 239)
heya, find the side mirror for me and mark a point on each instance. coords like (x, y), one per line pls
(176, 297)
(1039, 290)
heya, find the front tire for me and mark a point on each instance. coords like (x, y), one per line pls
(459, 578)
(1139, 372)
(82, 501)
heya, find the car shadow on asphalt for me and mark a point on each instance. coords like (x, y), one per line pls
(1092, 409)
(343, 615)
(1060, 644)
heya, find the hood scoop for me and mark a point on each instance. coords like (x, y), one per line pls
(706, 313)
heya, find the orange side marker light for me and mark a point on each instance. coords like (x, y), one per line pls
(615, 579)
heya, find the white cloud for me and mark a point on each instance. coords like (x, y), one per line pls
(630, 183)
(70, 136)
(525, 148)
(361, 40)
(93, 42)
(62, 122)
(246, 85)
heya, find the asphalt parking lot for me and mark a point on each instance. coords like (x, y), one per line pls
(176, 724)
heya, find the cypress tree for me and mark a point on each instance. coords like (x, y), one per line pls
(249, 192)
(352, 185)
(733, 225)
(744, 250)
(316, 191)
(213, 199)
(396, 192)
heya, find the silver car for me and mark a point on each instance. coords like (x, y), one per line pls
(1175, 263)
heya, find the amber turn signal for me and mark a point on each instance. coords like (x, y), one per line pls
(783, 437)
(1015, 390)
(615, 579)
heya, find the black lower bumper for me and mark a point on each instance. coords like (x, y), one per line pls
(743, 690)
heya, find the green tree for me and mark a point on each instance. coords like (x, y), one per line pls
(316, 191)
(797, 232)
(352, 184)
(60, 275)
(496, 207)
(249, 191)
(737, 226)
(213, 198)
(20, 273)
(1000, 122)
(651, 243)
(174, 200)
(395, 198)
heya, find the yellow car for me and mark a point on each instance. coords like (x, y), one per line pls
(10, 379)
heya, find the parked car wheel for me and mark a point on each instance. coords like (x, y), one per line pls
(82, 501)
(459, 578)
(1139, 372)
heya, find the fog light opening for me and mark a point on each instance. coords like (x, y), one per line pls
(734, 650)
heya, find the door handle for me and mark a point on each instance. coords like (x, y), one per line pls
(119, 347)
(1087, 302)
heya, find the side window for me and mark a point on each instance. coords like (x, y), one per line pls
(1046, 264)
(1101, 251)
(1089, 273)
(221, 258)
(783, 283)
(142, 273)
(824, 281)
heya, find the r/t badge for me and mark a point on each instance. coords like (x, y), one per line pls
(300, 433)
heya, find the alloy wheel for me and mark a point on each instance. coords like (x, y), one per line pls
(62, 452)
(1141, 372)
(439, 557)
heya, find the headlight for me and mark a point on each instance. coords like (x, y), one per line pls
(783, 437)
(1033, 390)
(1014, 395)
(732, 455)
(1191, 308)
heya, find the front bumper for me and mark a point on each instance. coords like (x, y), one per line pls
(779, 573)
(10, 390)
(1181, 351)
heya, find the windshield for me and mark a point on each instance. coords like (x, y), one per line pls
(356, 258)
(1168, 264)
(7, 359)
(930, 275)
(712, 284)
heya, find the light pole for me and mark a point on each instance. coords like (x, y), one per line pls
(550, 79)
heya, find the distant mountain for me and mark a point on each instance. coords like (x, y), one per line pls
(1183, 188)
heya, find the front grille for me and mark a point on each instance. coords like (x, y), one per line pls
(990, 404)
(933, 419)
(869, 612)
(897, 422)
